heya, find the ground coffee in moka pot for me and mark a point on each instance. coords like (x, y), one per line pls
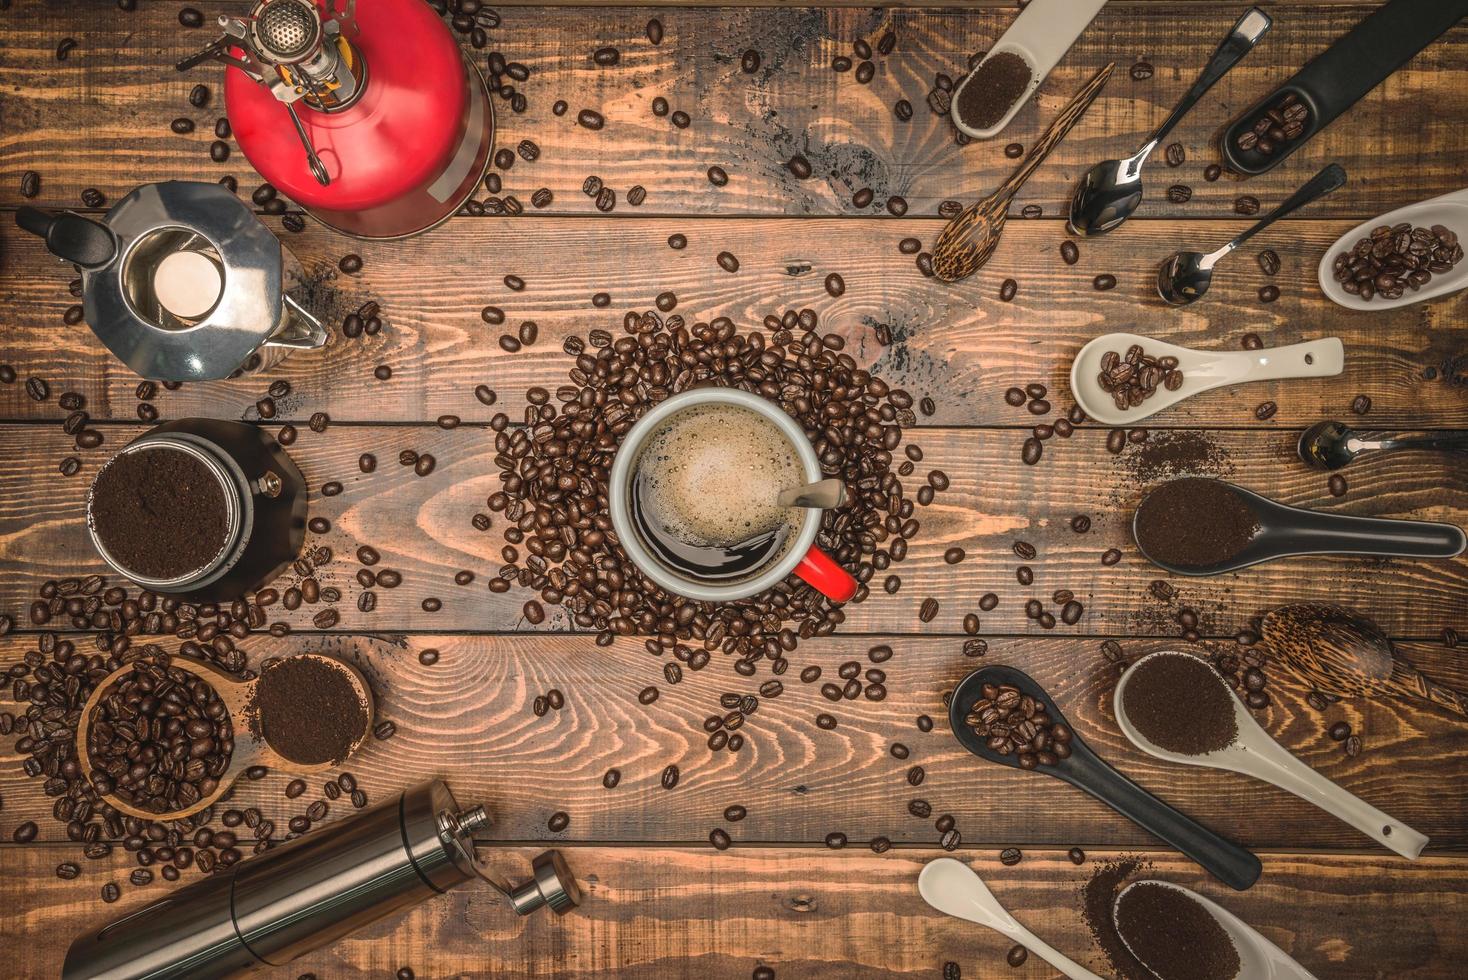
(201, 508)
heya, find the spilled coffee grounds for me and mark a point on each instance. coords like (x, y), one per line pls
(1180, 703)
(993, 89)
(1097, 898)
(1195, 523)
(160, 513)
(307, 710)
(1175, 936)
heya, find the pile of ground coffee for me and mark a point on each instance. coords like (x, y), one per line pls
(307, 709)
(159, 512)
(993, 90)
(1175, 936)
(1195, 523)
(1180, 703)
(1098, 896)
(555, 473)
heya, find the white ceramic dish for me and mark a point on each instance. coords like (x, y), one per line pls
(1450, 210)
(1042, 33)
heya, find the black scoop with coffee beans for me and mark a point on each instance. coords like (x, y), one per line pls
(1083, 769)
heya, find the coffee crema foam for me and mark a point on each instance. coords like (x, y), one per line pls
(713, 473)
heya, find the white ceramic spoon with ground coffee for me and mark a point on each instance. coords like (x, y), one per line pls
(954, 889)
(252, 745)
(1181, 701)
(1199, 371)
(1258, 958)
(1040, 36)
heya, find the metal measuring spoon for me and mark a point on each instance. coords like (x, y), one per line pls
(1254, 753)
(1259, 959)
(1186, 276)
(1083, 769)
(1287, 532)
(1331, 445)
(1201, 370)
(825, 494)
(1111, 190)
(953, 888)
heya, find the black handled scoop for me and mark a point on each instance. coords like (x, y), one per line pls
(1196, 526)
(1222, 858)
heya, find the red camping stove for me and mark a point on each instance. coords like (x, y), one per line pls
(370, 119)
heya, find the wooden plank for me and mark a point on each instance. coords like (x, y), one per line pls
(468, 719)
(421, 527)
(959, 342)
(119, 88)
(660, 913)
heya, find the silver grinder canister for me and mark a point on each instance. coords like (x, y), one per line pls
(308, 893)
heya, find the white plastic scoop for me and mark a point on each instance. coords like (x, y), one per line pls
(1255, 754)
(1449, 210)
(1202, 371)
(1259, 959)
(1041, 35)
(952, 888)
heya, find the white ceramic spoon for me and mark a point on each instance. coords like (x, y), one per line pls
(1255, 754)
(1202, 371)
(952, 887)
(1259, 959)
(1450, 210)
(1041, 35)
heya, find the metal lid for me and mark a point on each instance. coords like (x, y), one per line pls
(151, 223)
(286, 29)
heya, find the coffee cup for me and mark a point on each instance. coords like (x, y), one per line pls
(692, 497)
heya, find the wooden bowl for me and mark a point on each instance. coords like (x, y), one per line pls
(249, 749)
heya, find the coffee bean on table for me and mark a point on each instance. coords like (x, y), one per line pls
(1141, 71)
(1269, 262)
(1070, 253)
(718, 176)
(590, 119)
(1268, 293)
(1179, 193)
(1104, 281)
(669, 778)
(749, 61)
(1246, 204)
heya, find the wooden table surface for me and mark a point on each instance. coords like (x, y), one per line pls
(660, 902)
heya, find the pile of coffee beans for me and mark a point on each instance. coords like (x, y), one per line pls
(53, 681)
(1013, 723)
(160, 738)
(1132, 378)
(1395, 258)
(1277, 126)
(555, 472)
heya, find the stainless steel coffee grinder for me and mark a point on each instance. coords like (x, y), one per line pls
(301, 896)
(183, 283)
(265, 505)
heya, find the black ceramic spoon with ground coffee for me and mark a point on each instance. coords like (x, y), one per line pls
(253, 744)
(1201, 527)
(1083, 769)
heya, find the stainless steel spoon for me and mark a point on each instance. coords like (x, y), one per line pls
(1331, 445)
(1111, 190)
(1185, 277)
(825, 494)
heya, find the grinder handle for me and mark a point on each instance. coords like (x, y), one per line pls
(69, 236)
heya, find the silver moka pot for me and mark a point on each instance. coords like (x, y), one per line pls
(183, 283)
(296, 898)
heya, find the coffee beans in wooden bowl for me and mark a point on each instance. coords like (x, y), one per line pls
(160, 739)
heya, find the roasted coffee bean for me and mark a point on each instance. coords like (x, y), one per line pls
(718, 176)
(590, 119)
(1070, 253)
(1104, 282)
(1010, 856)
(1269, 262)
(1179, 193)
(1175, 155)
(655, 31)
(749, 61)
(1268, 293)
(1246, 205)
(669, 778)
(1141, 71)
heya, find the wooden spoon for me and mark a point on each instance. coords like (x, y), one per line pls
(969, 239)
(1339, 653)
(249, 749)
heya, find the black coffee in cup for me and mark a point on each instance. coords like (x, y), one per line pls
(704, 488)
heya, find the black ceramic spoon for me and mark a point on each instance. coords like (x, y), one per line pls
(1225, 860)
(1286, 532)
(1355, 64)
